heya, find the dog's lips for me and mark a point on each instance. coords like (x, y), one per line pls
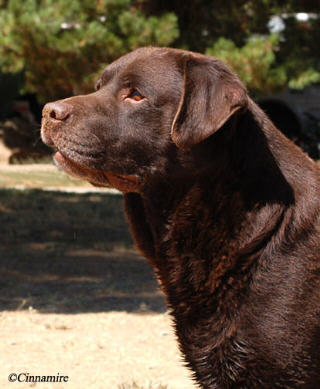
(122, 182)
(80, 171)
(125, 183)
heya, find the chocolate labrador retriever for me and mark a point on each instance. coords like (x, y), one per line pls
(224, 207)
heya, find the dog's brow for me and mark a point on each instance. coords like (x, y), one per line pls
(107, 75)
(128, 78)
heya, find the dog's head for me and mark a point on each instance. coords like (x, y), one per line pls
(148, 105)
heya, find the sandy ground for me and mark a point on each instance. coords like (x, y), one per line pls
(76, 298)
(95, 350)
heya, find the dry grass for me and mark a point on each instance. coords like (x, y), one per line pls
(42, 176)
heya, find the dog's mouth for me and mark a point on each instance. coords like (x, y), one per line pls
(122, 182)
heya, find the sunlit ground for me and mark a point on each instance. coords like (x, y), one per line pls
(76, 297)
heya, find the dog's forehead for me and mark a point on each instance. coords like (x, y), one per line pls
(148, 63)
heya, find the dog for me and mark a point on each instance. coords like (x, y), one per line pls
(224, 207)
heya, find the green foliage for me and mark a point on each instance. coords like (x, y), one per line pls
(254, 62)
(202, 22)
(305, 78)
(60, 45)
(299, 51)
(294, 57)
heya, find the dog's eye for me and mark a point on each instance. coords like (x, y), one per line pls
(135, 95)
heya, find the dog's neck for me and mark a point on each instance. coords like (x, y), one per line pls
(226, 212)
(233, 175)
(207, 232)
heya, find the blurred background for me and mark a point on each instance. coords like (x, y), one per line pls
(54, 49)
(76, 298)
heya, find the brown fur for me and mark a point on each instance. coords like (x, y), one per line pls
(224, 207)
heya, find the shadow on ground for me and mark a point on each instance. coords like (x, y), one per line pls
(70, 253)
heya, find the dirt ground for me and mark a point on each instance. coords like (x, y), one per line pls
(95, 350)
(76, 298)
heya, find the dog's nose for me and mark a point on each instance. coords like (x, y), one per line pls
(57, 111)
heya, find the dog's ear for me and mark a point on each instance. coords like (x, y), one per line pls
(211, 95)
